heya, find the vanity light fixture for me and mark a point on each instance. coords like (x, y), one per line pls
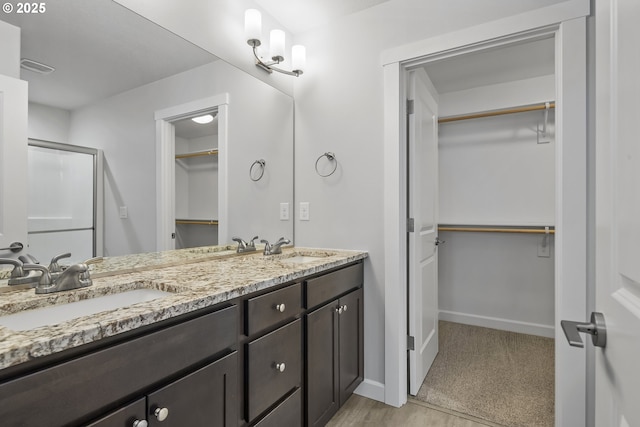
(253, 33)
(203, 120)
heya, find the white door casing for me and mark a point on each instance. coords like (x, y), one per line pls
(567, 22)
(618, 211)
(165, 166)
(422, 160)
(13, 162)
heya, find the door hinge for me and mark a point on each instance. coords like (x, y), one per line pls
(411, 342)
(411, 225)
(409, 106)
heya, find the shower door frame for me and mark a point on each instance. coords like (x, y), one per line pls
(98, 186)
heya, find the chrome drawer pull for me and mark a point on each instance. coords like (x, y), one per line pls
(161, 413)
(140, 423)
(280, 308)
(280, 367)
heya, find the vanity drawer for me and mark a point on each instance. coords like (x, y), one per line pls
(267, 379)
(288, 413)
(270, 309)
(327, 287)
(104, 377)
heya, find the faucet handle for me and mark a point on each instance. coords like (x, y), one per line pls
(45, 278)
(252, 243)
(17, 271)
(54, 267)
(28, 259)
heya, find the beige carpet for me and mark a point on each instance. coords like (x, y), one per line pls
(503, 377)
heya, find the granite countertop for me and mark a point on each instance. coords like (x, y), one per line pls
(194, 283)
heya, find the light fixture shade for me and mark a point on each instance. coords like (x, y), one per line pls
(276, 45)
(298, 58)
(207, 118)
(252, 26)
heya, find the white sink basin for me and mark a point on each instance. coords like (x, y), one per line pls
(55, 314)
(302, 259)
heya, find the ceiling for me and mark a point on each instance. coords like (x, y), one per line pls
(98, 49)
(301, 15)
(499, 65)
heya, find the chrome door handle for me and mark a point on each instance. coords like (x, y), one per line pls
(597, 329)
(438, 242)
(14, 247)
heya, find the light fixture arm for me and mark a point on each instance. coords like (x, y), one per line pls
(269, 66)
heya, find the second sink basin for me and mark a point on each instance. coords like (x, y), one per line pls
(54, 314)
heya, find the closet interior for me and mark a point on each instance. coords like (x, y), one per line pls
(496, 142)
(196, 181)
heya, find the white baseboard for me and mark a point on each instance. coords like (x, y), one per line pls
(497, 323)
(371, 389)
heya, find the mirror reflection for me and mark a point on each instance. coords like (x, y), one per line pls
(113, 71)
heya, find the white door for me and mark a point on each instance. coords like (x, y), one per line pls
(422, 165)
(618, 211)
(13, 163)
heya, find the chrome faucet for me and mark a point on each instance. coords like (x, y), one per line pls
(73, 277)
(18, 275)
(244, 246)
(276, 248)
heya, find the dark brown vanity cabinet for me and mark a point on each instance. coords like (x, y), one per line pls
(188, 367)
(334, 342)
(205, 397)
(273, 357)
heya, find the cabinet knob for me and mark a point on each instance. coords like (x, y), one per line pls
(344, 308)
(140, 423)
(161, 413)
(339, 310)
(280, 367)
(280, 308)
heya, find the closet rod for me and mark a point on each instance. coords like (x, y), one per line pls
(497, 230)
(522, 109)
(198, 154)
(197, 221)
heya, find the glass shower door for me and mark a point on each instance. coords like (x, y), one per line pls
(62, 182)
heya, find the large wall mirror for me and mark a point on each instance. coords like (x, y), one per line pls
(114, 71)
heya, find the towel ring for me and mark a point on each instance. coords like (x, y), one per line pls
(260, 163)
(332, 158)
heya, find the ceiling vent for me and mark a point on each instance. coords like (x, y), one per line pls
(36, 67)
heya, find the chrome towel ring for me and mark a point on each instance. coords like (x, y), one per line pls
(330, 157)
(261, 164)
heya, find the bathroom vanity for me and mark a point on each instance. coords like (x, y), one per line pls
(238, 340)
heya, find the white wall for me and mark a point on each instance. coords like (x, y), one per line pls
(9, 50)
(339, 107)
(49, 123)
(124, 127)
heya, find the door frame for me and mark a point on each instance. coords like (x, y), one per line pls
(567, 22)
(165, 166)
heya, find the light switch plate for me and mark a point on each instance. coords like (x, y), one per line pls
(124, 212)
(284, 211)
(304, 211)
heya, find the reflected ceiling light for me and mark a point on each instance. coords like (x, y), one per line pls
(253, 33)
(207, 118)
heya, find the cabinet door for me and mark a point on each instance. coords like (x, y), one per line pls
(207, 397)
(351, 357)
(322, 399)
(125, 416)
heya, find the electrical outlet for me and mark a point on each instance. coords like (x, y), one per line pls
(304, 211)
(284, 211)
(124, 212)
